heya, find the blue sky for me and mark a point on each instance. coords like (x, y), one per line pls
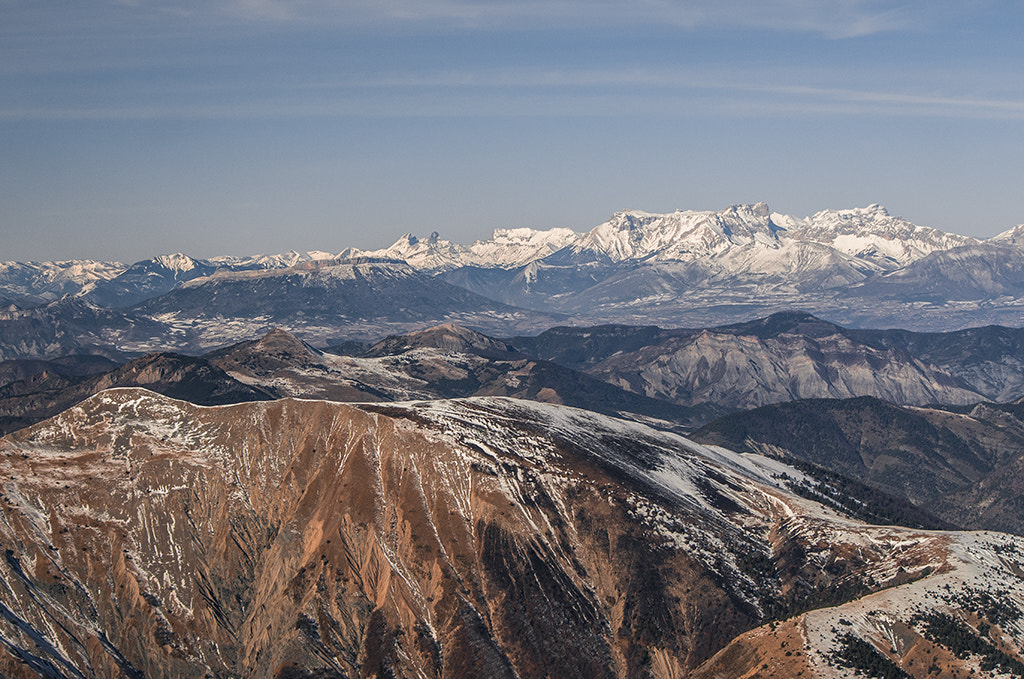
(130, 128)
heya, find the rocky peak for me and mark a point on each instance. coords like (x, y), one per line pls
(276, 350)
(178, 261)
(756, 213)
(447, 337)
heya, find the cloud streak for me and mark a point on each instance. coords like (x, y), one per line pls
(551, 92)
(835, 18)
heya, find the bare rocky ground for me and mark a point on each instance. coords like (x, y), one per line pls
(484, 537)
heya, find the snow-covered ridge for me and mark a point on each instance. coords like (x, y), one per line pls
(740, 239)
(1013, 236)
(872, 234)
(47, 281)
(178, 262)
(278, 261)
(681, 235)
(869, 235)
(507, 248)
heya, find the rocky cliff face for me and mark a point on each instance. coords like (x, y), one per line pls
(477, 538)
(793, 355)
(746, 371)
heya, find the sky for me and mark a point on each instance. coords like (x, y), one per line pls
(130, 128)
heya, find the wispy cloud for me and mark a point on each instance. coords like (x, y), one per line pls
(833, 18)
(126, 59)
(552, 92)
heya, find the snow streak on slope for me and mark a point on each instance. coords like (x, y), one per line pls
(482, 537)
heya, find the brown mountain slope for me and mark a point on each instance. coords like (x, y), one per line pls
(477, 538)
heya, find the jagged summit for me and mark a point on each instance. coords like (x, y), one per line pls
(871, 234)
(176, 262)
(409, 240)
(681, 235)
(432, 252)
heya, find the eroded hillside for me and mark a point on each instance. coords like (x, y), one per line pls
(473, 538)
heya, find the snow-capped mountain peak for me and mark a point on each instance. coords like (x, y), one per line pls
(178, 262)
(872, 234)
(432, 252)
(506, 248)
(680, 235)
(517, 247)
(1014, 236)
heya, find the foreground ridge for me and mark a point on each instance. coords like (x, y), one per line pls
(481, 537)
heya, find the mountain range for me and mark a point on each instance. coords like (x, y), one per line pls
(681, 377)
(667, 378)
(324, 301)
(443, 362)
(860, 267)
(676, 446)
(870, 235)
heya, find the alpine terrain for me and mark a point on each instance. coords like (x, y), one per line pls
(482, 537)
(729, 444)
